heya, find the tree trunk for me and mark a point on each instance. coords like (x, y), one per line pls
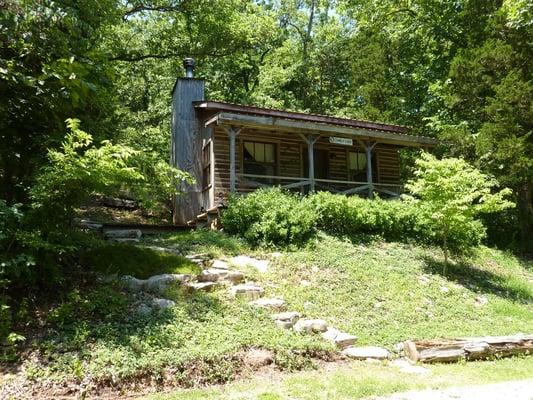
(525, 211)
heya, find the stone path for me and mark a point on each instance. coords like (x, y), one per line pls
(218, 273)
(513, 390)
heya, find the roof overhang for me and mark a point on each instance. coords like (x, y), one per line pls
(297, 126)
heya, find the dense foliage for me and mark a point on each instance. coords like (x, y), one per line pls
(270, 216)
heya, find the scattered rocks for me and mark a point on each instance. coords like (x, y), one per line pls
(368, 352)
(310, 326)
(286, 320)
(216, 274)
(220, 264)
(201, 259)
(163, 304)
(407, 367)
(247, 291)
(341, 339)
(256, 358)
(269, 304)
(160, 283)
(398, 347)
(131, 283)
(444, 289)
(243, 261)
(122, 234)
(202, 286)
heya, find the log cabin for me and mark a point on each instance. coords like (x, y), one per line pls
(230, 148)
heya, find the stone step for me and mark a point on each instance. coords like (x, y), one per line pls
(286, 320)
(247, 291)
(218, 275)
(269, 304)
(156, 283)
(368, 352)
(202, 286)
(310, 326)
(123, 234)
(340, 339)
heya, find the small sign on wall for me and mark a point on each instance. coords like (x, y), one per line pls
(341, 141)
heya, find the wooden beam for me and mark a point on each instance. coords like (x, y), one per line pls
(232, 133)
(368, 149)
(310, 140)
(296, 126)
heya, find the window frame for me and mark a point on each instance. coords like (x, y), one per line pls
(274, 164)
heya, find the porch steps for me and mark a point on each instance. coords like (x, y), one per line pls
(209, 218)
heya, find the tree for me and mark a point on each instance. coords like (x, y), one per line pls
(451, 194)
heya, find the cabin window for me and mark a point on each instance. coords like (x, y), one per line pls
(357, 166)
(259, 158)
(206, 165)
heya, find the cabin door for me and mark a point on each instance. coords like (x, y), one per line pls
(321, 157)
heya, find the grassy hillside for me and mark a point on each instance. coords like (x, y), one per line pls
(381, 292)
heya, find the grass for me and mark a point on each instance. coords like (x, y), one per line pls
(358, 380)
(382, 292)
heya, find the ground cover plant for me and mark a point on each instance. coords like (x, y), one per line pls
(390, 291)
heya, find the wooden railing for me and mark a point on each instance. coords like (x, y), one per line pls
(248, 182)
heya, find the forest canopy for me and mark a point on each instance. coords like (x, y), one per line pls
(456, 70)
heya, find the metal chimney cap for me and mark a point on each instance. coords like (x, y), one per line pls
(188, 64)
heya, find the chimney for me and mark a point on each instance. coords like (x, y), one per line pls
(187, 142)
(188, 64)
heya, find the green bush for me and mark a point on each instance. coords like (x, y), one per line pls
(390, 219)
(270, 216)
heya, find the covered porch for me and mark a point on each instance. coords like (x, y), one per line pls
(304, 154)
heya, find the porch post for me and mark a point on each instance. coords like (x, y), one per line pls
(232, 133)
(311, 161)
(368, 149)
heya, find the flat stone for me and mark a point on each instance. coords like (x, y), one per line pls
(243, 261)
(269, 304)
(215, 275)
(291, 316)
(310, 326)
(131, 283)
(125, 240)
(363, 353)
(163, 304)
(220, 264)
(123, 234)
(284, 324)
(247, 291)
(407, 367)
(341, 339)
(159, 283)
(202, 286)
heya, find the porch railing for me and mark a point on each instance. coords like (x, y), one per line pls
(248, 182)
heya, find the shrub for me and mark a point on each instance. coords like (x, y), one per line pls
(270, 217)
(390, 219)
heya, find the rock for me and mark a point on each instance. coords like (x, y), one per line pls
(256, 358)
(398, 347)
(305, 283)
(310, 326)
(88, 224)
(286, 320)
(215, 275)
(160, 283)
(163, 304)
(163, 249)
(118, 203)
(444, 289)
(243, 261)
(481, 301)
(144, 310)
(247, 291)
(363, 353)
(131, 283)
(123, 234)
(270, 304)
(202, 286)
(341, 339)
(284, 324)
(407, 367)
(220, 264)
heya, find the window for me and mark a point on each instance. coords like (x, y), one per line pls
(357, 166)
(259, 158)
(206, 165)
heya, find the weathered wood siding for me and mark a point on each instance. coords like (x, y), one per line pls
(291, 151)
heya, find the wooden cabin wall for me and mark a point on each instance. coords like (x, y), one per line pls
(291, 151)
